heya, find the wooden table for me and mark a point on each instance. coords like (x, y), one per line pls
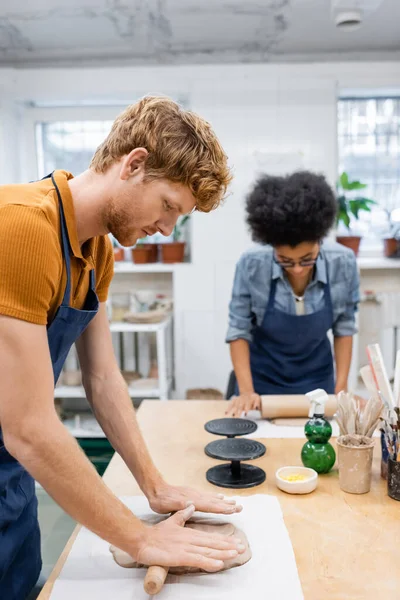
(345, 545)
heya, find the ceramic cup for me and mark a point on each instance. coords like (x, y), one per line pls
(355, 467)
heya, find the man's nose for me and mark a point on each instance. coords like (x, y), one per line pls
(166, 227)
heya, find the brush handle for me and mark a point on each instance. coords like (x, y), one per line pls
(396, 385)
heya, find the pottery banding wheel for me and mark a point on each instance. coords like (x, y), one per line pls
(230, 427)
(235, 474)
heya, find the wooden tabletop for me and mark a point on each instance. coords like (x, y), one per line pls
(345, 545)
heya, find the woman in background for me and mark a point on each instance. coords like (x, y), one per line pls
(289, 293)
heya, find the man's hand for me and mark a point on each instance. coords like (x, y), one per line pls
(168, 498)
(169, 544)
(242, 404)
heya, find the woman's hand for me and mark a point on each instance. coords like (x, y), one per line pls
(341, 386)
(242, 404)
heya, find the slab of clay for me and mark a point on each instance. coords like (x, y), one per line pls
(201, 524)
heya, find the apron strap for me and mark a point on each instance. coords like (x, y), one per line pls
(327, 291)
(93, 280)
(65, 245)
(272, 291)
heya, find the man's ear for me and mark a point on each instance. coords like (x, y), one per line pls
(133, 163)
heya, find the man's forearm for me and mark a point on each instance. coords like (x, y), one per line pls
(343, 350)
(114, 411)
(52, 456)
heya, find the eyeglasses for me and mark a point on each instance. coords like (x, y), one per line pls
(286, 264)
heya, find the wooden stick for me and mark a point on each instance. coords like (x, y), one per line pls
(155, 577)
(154, 580)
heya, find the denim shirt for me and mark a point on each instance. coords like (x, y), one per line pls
(251, 288)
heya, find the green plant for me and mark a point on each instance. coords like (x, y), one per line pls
(348, 206)
(178, 229)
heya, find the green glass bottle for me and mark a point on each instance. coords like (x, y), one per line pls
(318, 453)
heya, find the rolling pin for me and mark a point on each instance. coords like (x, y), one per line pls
(289, 407)
(154, 580)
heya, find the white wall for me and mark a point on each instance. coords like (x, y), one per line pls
(268, 117)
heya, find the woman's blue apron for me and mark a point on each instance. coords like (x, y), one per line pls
(291, 354)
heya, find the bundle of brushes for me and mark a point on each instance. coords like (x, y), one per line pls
(377, 378)
(356, 418)
(392, 436)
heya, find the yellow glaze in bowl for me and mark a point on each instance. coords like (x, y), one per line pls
(296, 480)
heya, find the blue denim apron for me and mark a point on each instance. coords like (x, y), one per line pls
(20, 558)
(291, 354)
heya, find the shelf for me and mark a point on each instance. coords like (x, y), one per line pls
(378, 262)
(130, 267)
(84, 426)
(123, 327)
(77, 391)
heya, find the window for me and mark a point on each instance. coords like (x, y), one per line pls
(68, 145)
(369, 151)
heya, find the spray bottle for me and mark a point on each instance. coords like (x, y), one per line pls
(318, 453)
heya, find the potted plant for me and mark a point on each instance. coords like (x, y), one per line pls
(348, 207)
(391, 243)
(175, 251)
(118, 251)
(144, 252)
(152, 250)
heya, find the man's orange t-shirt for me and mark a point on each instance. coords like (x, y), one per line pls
(32, 266)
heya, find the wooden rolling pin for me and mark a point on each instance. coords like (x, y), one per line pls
(154, 580)
(289, 407)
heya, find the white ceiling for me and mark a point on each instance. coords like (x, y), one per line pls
(178, 31)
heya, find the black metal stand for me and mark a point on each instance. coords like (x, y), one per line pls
(234, 474)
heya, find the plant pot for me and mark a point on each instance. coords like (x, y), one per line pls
(350, 241)
(153, 250)
(142, 254)
(173, 252)
(394, 479)
(390, 247)
(355, 464)
(119, 254)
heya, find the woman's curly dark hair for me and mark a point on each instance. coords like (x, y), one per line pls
(286, 211)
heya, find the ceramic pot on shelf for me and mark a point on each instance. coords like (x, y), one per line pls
(391, 247)
(173, 252)
(350, 241)
(119, 254)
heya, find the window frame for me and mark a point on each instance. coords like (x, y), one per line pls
(33, 115)
(370, 245)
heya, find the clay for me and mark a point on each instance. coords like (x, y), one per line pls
(201, 524)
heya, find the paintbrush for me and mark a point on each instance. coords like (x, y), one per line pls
(381, 379)
(396, 384)
(354, 420)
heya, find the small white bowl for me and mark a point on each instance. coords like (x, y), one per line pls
(297, 487)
